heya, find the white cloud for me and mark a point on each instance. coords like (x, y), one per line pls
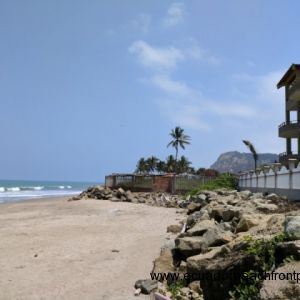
(195, 52)
(142, 22)
(155, 57)
(166, 84)
(174, 15)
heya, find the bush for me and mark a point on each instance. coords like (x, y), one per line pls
(224, 181)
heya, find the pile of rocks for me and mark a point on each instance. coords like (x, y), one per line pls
(213, 240)
(117, 195)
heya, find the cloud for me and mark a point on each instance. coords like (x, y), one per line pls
(174, 15)
(142, 22)
(155, 57)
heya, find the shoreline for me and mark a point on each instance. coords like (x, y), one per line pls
(88, 249)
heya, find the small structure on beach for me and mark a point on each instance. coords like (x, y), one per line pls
(290, 129)
(170, 182)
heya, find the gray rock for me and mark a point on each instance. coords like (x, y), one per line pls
(216, 237)
(196, 217)
(282, 289)
(192, 207)
(245, 195)
(272, 197)
(146, 285)
(292, 227)
(174, 228)
(201, 227)
(189, 246)
(246, 222)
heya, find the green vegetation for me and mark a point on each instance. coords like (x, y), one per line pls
(253, 151)
(224, 181)
(174, 288)
(178, 139)
(250, 284)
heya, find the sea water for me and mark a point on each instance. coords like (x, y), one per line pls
(18, 190)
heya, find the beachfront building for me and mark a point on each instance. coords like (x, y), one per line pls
(290, 129)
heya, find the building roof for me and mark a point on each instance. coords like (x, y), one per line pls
(289, 76)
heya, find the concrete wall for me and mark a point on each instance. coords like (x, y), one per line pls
(274, 179)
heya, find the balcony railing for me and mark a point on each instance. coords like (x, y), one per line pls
(289, 129)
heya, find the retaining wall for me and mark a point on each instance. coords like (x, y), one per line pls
(282, 180)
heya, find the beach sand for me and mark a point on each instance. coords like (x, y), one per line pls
(55, 249)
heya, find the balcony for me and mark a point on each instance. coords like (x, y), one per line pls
(289, 130)
(284, 157)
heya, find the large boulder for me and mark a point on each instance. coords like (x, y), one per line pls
(192, 207)
(196, 262)
(188, 246)
(292, 227)
(246, 222)
(282, 287)
(201, 227)
(164, 263)
(216, 237)
(196, 217)
(219, 275)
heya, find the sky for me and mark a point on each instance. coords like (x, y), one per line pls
(89, 87)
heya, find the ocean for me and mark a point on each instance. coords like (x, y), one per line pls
(19, 190)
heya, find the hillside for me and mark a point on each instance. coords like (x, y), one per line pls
(235, 161)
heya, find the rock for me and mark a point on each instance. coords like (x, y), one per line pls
(192, 207)
(168, 244)
(282, 289)
(226, 272)
(272, 197)
(164, 263)
(287, 249)
(183, 203)
(216, 237)
(174, 228)
(196, 262)
(195, 286)
(262, 206)
(229, 213)
(246, 222)
(189, 246)
(245, 195)
(201, 227)
(182, 267)
(200, 198)
(146, 285)
(292, 227)
(197, 216)
(137, 292)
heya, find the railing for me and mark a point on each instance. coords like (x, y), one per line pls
(288, 123)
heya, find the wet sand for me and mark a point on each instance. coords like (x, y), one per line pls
(87, 249)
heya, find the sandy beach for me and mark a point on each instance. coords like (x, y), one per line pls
(88, 249)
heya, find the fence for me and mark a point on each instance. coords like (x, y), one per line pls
(277, 179)
(170, 183)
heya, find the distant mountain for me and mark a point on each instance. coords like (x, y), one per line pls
(235, 161)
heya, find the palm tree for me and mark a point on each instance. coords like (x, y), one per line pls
(161, 166)
(253, 151)
(178, 139)
(142, 166)
(152, 162)
(183, 165)
(170, 164)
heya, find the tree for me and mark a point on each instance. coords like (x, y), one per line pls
(170, 164)
(151, 163)
(161, 166)
(142, 166)
(253, 151)
(183, 165)
(178, 139)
